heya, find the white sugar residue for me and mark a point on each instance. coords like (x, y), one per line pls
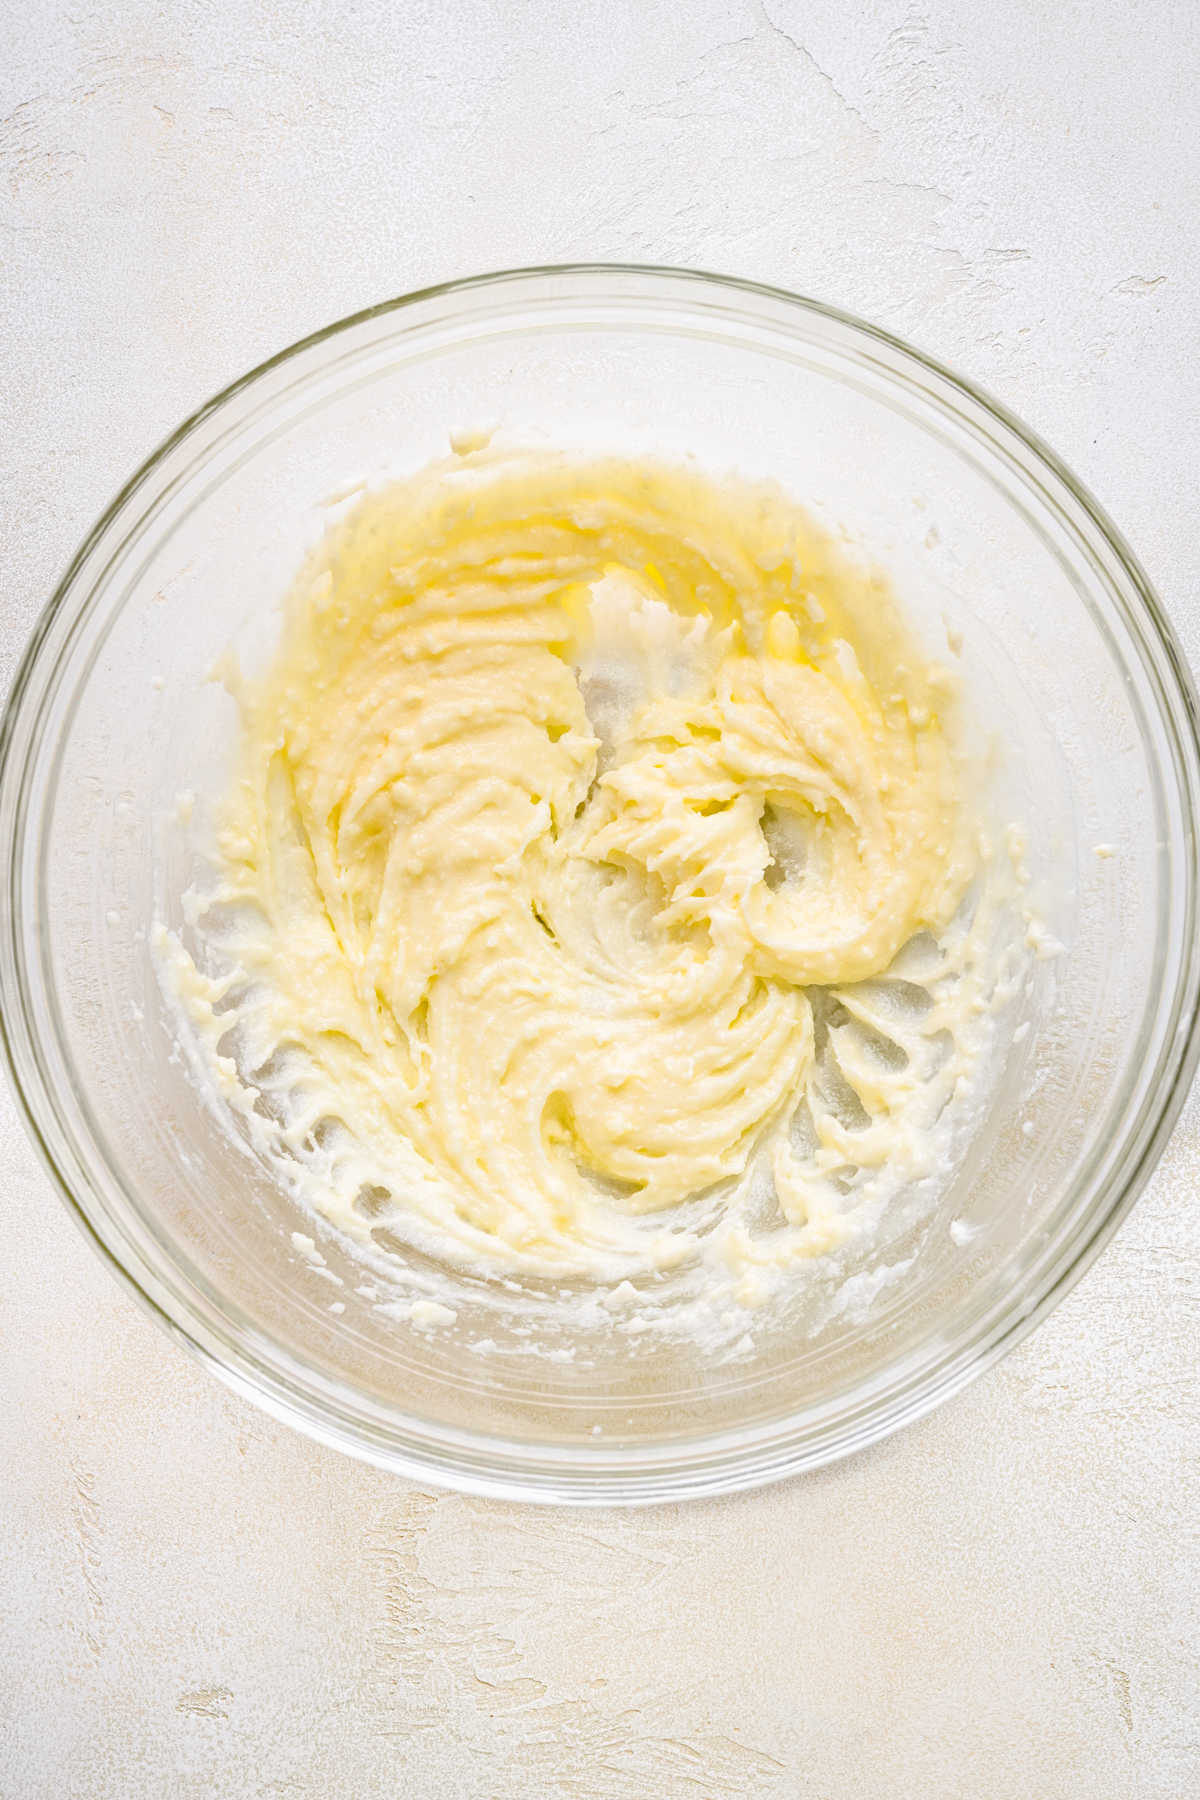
(430, 1314)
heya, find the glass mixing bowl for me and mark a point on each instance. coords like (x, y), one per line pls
(1071, 669)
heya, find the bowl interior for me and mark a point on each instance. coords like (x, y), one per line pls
(982, 542)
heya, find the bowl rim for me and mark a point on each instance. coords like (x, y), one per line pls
(475, 1462)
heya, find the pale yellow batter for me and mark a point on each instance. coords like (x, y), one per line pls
(570, 787)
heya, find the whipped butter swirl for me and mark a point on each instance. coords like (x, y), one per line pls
(580, 820)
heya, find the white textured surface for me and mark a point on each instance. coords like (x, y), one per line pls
(1001, 1603)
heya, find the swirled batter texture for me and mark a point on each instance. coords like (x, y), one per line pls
(573, 791)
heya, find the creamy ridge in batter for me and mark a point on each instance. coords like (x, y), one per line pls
(580, 820)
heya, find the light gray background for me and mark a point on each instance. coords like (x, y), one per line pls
(1002, 1603)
